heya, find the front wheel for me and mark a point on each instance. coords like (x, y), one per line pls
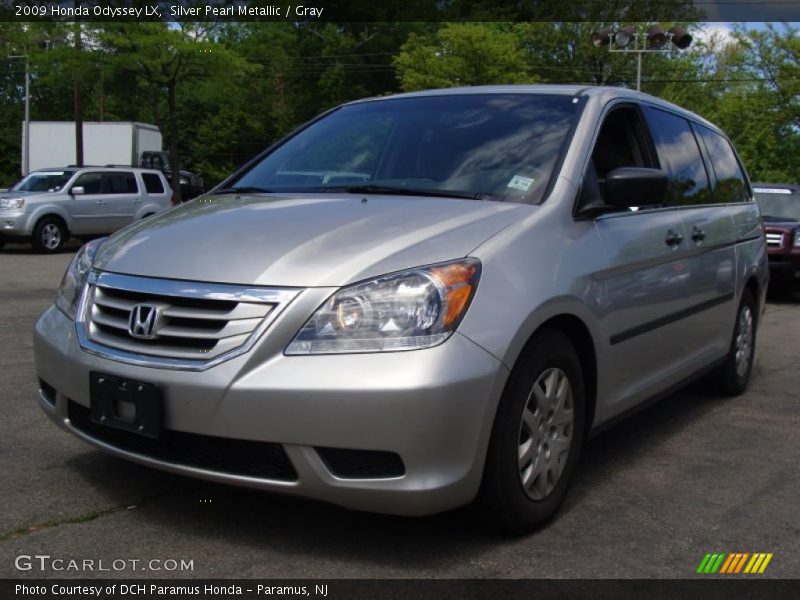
(732, 377)
(49, 235)
(536, 437)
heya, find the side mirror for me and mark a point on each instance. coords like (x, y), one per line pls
(77, 190)
(635, 186)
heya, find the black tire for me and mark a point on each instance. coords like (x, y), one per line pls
(503, 499)
(728, 379)
(49, 235)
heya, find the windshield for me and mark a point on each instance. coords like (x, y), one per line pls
(43, 181)
(779, 205)
(494, 146)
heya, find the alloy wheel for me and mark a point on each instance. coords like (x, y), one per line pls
(744, 341)
(545, 433)
(51, 236)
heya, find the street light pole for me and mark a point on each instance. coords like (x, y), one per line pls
(26, 128)
(639, 48)
(653, 41)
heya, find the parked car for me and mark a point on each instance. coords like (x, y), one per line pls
(419, 300)
(50, 205)
(780, 209)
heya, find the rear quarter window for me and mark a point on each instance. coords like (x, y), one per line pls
(152, 183)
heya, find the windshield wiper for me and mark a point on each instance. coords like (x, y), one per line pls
(404, 191)
(245, 189)
(778, 219)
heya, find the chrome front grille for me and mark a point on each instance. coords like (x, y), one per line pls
(192, 325)
(774, 240)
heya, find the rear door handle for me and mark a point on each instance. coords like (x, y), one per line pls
(698, 235)
(101, 202)
(673, 238)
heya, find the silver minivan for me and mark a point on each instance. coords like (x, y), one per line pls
(49, 206)
(417, 301)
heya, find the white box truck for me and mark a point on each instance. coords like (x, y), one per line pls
(52, 143)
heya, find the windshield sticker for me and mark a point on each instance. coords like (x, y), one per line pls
(518, 182)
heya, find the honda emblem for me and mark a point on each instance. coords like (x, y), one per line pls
(142, 323)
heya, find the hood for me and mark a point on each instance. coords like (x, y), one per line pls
(778, 223)
(20, 194)
(303, 241)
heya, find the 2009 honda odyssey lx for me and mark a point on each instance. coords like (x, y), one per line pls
(417, 301)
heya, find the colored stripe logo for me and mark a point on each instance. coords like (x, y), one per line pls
(734, 563)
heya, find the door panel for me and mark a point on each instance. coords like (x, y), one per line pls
(88, 209)
(712, 281)
(123, 199)
(646, 291)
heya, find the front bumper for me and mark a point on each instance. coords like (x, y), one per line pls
(434, 408)
(785, 264)
(14, 223)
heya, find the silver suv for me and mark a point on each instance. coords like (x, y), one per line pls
(417, 301)
(50, 205)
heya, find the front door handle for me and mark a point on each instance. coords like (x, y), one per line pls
(673, 238)
(698, 235)
(101, 202)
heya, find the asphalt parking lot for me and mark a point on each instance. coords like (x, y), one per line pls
(690, 475)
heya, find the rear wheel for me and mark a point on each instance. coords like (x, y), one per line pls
(49, 235)
(733, 376)
(536, 437)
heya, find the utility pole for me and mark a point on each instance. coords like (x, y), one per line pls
(78, 100)
(26, 159)
(26, 125)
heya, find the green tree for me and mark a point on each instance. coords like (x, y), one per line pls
(165, 60)
(463, 54)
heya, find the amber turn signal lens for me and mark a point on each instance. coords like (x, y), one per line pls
(459, 282)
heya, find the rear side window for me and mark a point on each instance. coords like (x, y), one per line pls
(152, 183)
(680, 157)
(119, 183)
(731, 184)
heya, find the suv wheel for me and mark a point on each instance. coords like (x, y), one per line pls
(49, 235)
(536, 437)
(732, 377)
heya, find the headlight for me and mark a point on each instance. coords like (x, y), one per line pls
(797, 238)
(413, 309)
(11, 203)
(71, 284)
(184, 180)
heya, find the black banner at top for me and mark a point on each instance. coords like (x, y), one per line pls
(400, 10)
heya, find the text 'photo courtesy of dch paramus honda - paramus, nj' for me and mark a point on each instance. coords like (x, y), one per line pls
(418, 302)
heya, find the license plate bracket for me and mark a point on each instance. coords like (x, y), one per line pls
(126, 404)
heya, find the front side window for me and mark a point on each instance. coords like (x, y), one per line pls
(91, 183)
(494, 146)
(43, 181)
(680, 157)
(731, 184)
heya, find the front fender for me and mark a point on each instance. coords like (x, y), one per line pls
(43, 210)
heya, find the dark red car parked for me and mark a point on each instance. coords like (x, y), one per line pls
(780, 209)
